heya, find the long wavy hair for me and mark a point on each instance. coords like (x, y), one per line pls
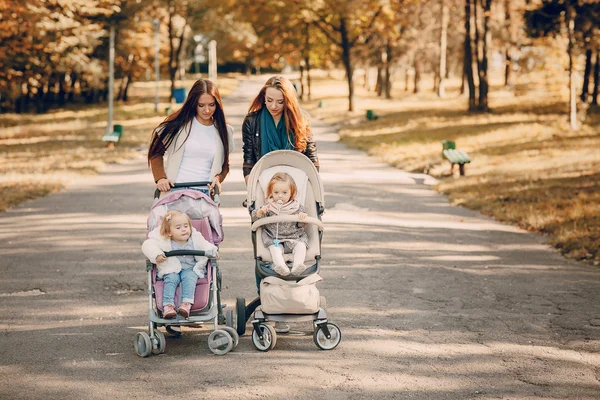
(294, 120)
(165, 133)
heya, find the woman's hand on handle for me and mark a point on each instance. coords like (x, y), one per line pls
(215, 183)
(164, 184)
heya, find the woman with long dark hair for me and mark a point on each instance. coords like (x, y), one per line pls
(282, 126)
(193, 143)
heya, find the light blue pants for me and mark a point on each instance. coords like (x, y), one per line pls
(188, 279)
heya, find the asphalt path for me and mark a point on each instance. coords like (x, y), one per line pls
(434, 301)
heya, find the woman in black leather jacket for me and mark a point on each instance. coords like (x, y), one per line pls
(283, 127)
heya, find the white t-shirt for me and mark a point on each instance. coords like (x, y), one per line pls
(198, 154)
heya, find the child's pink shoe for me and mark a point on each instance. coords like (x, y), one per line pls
(184, 309)
(169, 312)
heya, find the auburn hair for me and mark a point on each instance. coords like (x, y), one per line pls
(295, 123)
(285, 178)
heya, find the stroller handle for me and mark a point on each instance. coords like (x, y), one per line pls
(187, 184)
(199, 253)
(287, 218)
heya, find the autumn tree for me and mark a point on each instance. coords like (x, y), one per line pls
(578, 21)
(347, 24)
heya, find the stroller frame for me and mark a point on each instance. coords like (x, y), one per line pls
(220, 341)
(326, 335)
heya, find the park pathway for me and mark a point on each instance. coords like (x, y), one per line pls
(434, 301)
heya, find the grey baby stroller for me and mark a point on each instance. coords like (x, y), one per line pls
(207, 308)
(288, 298)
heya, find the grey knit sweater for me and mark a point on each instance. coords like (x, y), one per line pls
(288, 231)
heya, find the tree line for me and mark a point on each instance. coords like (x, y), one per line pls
(55, 52)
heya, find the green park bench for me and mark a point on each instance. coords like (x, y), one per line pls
(112, 138)
(454, 156)
(372, 115)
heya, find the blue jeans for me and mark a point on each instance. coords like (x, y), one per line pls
(201, 190)
(188, 279)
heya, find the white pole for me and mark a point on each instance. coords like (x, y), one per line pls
(156, 23)
(111, 83)
(212, 60)
(196, 55)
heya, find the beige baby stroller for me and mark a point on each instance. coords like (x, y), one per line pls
(287, 298)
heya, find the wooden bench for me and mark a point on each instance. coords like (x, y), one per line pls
(454, 156)
(111, 138)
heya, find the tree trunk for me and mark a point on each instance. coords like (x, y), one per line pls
(387, 83)
(174, 51)
(483, 71)
(507, 67)
(62, 93)
(302, 80)
(508, 50)
(127, 86)
(443, 49)
(586, 74)
(379, 83)
(477, 49)
(308, 81)
(468, 56)
(172, 59)
(596, 78)
(307, 60)
(572, 94)
(347, 60)
(417, 78)
(406, 77)
(71, 94)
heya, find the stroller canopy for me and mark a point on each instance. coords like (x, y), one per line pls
(289, 158)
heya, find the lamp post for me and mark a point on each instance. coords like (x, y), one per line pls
(156, 23)
(197, 52)
(111, 78)
(212, 60)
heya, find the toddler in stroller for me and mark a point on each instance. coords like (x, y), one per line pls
(176, 233)
(291, 297)
(185, 275)
(281, 236)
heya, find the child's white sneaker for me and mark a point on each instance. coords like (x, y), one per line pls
(282, 270)
(298, 269)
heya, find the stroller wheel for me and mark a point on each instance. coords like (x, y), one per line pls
(321, 339)
(220, 342)
(142, 344)
(240, 310)
(268, 340)
(161, 342)
(173, 330)
(234, 335)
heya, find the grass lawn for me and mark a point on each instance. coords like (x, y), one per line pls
(43, 152)
(528, 168)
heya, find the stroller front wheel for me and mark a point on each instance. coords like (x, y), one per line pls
(234, 335)
(160, 341)
(264, 338)
(220, 342)
(142, 344)
(321, 338)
